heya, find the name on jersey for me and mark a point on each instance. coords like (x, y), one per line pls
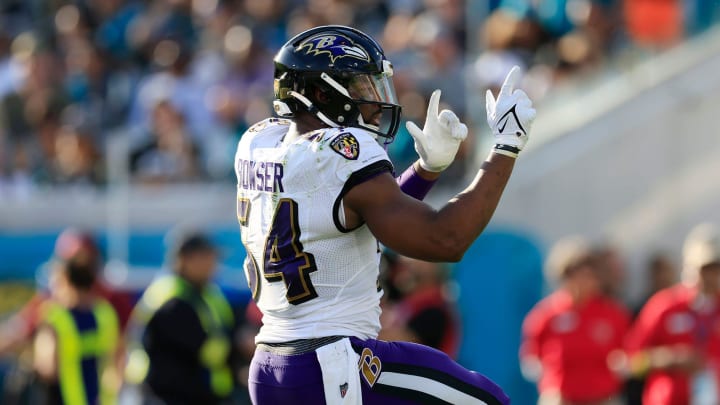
(260, 176)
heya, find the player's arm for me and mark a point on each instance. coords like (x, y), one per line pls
(414, 229)
(436, 145)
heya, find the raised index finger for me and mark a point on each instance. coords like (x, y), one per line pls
(432, 110)
(511, 80)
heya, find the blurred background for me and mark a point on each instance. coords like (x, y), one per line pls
(121, 118)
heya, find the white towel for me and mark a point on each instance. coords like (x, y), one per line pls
(341, 376)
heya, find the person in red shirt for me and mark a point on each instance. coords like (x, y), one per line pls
(569, 336)
(676, 337)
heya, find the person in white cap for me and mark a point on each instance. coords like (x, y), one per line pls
(676, 338)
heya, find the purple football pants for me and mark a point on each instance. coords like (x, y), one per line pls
(390, 373)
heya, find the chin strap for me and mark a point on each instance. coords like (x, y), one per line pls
(372, 128)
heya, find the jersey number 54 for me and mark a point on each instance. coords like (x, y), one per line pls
(284, 259)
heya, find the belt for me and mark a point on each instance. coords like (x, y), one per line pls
(295, 347)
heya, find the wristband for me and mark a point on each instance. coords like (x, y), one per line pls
(507, 150)
(412, 184)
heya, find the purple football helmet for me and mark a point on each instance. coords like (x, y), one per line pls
(348, 67)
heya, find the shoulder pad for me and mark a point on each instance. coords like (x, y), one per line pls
(257, 127)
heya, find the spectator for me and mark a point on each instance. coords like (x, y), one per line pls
(660, 274)
(75, 158)
(612, 270)
(181, 333)
(675, 340)
(509, 39)
(10, 69)
(171, 155)
(568, 337)
(30, 114)
(177, 80)
(77, 341)
(425, 313)
(111, 60)
(654, 24)
(441, 57)
(72, 246)
(81, 249)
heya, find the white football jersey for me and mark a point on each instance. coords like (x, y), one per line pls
(310, 276)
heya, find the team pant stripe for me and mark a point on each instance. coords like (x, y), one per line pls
(446, 380)
(413, 396)
(441, 392)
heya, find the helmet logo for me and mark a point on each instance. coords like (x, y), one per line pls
(335, 46)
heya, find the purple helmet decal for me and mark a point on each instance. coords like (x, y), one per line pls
(335, 46)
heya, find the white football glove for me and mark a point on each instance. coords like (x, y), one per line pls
(510, 116)
(439, 140)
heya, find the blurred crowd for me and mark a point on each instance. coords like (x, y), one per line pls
(182, 339)
(176, 82)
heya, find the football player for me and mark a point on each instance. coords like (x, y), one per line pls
(315, 195)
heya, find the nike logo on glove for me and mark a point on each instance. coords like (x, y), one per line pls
(506, 117)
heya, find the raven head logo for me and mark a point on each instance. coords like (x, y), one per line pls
(335, 46)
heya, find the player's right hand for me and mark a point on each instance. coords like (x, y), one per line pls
(510, 115)
(438, 142)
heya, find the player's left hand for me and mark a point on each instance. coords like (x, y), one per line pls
(439, 140)
(510, 116)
